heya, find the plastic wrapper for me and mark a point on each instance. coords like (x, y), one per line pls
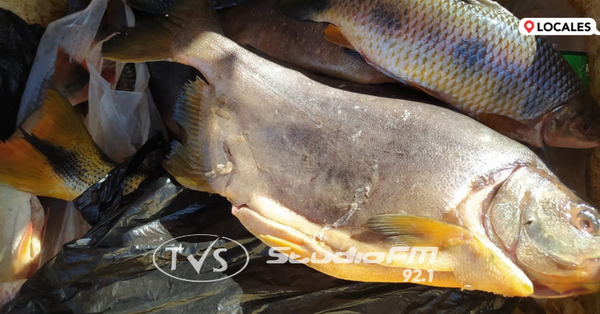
(75, 34)
(21, 228)
(119, 121)
(64, 224)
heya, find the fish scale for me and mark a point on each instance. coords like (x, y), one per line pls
(467, 53)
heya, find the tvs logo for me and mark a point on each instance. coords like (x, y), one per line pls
(197, 258)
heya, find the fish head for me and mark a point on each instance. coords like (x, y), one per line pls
(549, 232)
(575, 124)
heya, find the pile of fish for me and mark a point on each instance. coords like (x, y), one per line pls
(318, 169)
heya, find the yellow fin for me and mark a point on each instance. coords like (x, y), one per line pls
(477, 266)
(334, 35)
(299, 251)
(185, 160)
(418, 231)
(24, 168)
(60, 125)
(474, 263)
(58, 159)
(162, 38)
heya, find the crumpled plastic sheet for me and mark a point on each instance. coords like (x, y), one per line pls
(75, 34)
(111, 268)
(119, 121)
(64, 224)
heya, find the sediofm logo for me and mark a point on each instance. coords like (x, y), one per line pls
(211, 256)
(558, 26)
(352, 256)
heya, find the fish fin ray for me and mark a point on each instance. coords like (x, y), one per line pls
(273, 241)
(479, 267)
(163, 38)
(511, 128)
(417, 231)
(185, 160)
(24, 168)
(60, 125)
(334, 35)
(474, 263)
(28, 163)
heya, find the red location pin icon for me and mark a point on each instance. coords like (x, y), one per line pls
(528, 26)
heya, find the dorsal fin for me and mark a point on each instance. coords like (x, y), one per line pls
(185, 161)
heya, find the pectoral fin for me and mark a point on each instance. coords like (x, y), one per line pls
(475, 262)
(418, 231)
(334, 35)
(511, 128)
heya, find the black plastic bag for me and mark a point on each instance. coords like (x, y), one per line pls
(18, 45)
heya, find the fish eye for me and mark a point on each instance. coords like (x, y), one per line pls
(587, 222)
(587, 127)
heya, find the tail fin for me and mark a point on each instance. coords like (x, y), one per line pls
(58, 159)
(24, 168)
(185, 161)
(165, 37)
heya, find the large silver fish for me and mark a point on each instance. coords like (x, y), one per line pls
(323, 171)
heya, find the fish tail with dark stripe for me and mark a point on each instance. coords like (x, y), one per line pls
(57, 158)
